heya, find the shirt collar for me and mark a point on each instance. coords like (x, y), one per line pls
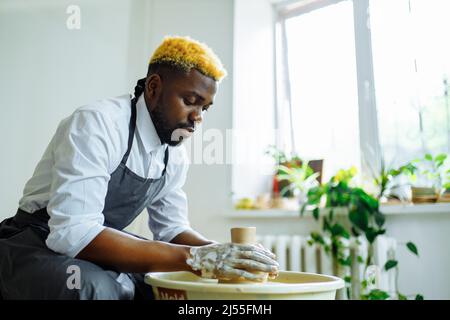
(145, 127)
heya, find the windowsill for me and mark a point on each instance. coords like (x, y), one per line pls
(391, 209)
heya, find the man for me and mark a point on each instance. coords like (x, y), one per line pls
(105, 164)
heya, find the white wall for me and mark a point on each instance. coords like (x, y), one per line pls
(253, 98)
(427, 274)
(48, 70)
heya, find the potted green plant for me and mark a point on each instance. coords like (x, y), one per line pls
(445, 193)
(281, 159)
(282, 185)
(426, 178)
(300, 180)
(362, 218)
(390, 183)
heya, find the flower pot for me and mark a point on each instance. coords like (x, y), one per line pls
(444, 196)
(424, 194)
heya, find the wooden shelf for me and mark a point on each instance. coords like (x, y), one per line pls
(391, 209)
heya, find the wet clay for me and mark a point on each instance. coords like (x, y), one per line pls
(244, 235)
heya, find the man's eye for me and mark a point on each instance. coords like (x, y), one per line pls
(187, 102)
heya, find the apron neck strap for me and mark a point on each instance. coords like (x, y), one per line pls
(166, 160)
(132, 127)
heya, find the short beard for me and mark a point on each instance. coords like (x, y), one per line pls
(162, 127)
(166, 134)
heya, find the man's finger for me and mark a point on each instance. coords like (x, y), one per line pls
(265, 249)
(251, 247)
(230, 272)
(251, 265)
(257, 256)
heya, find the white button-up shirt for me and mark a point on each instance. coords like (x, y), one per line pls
(72, 177)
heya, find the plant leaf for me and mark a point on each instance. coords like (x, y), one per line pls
(372, 234)
(379, 218)
(283, 176)
(364, 284)
(345, 262)
(326, 225)
(402, 297)
(285, 190)
(338, 230)
(359, 218)
(390, 264)
(315, 213)
(355, 232)
(315, 194)
(419, 297)
(412, 247)
(377, 294)
(439, 159)
(317, 237)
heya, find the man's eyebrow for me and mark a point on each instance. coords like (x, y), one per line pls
(199, 97)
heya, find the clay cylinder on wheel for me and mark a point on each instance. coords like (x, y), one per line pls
(244, 235)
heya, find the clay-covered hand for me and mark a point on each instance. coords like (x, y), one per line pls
(232, 260)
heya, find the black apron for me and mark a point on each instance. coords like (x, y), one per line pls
(29, 270)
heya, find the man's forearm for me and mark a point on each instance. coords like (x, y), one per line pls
(129, 254)
(191, 238)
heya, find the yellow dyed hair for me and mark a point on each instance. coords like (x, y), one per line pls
(187, 53)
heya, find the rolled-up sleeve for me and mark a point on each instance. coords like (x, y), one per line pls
(168, 215)
(80, 177)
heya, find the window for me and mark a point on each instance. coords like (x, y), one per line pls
(362, 80)
(411, 56)
(323, 90)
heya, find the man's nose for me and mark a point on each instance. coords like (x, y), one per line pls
(196, 116)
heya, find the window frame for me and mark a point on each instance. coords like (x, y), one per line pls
(370, 150)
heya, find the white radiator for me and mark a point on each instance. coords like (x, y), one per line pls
(295, 254)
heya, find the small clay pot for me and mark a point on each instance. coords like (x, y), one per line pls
(424, 194)
(244, 235)
(444, 196)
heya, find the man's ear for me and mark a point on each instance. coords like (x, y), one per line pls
(153, 87)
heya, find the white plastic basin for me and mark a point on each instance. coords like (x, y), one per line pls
(287, 286)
